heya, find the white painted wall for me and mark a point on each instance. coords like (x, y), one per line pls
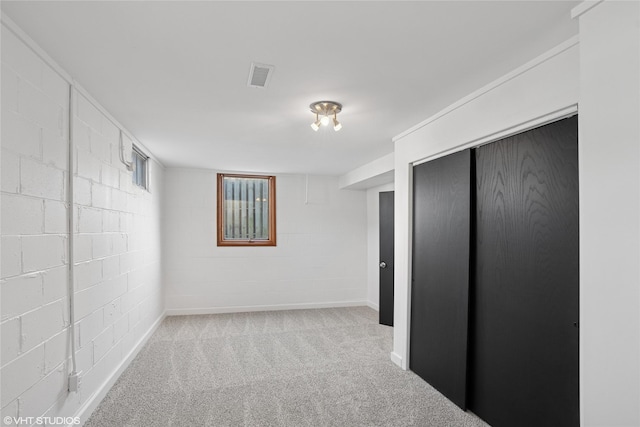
(319, 260)
(117, 238)
(372, 174)
(373, 244)
(610, 214)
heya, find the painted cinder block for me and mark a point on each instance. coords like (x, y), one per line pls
(117, 286)
(110, 221)
(131, 299)
(39, 180)
(102, 344)
(112, 312)
(100, 196)
(34, 164)
(81, 136)
(81, 191)
(90, 299)
(10, 82)
(55, 217)
(45, 393)
(57, 350)
(55, 149)
(102, 245)
(39, 109)
(55, 284)
(110, 267)
(89, 327)
(111, 133)
(119, 242)
(134, 316)
(121, 327)
(21, 215)
(100, 148)
(10, 256)
(84, 357)
(89, 220)
(119, 200)
(10, 172)
(20, 59)
(10, 340)
(91, 379)
(110, 177)
(55, 87)
(126, 262)
(126, 181)
(83, 250)
(43, 252)
(43, 323)
(21, 374)
(21, 136)
(88, 113)
(88, 274)
(87, 166)
(21, 294)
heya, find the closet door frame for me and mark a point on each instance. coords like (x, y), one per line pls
(544, 119)
(403, 360)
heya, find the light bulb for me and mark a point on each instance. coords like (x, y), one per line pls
(324, 120)
(336, 124)
(316, 125)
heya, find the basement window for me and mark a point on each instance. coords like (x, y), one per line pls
(246, 210)
(140, 171)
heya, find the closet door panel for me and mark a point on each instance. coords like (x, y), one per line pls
(440, 286)
(524, 346)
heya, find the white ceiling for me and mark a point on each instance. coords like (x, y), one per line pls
(175, 73)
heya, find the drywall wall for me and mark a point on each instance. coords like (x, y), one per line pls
(373, 244)
(610, 214)
(117, 240)
(372, 174)
(319, 260)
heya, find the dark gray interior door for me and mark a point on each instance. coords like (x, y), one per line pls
(386, 258)
(440, 285)
(524, 347)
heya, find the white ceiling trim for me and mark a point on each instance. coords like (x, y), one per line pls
(493, 85)
(584, 7)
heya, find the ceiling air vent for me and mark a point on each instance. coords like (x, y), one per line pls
(260, 75)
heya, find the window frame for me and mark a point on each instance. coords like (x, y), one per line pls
(220, 211)
(137, 153)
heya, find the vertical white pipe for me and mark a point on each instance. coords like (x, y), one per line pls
(70, 225)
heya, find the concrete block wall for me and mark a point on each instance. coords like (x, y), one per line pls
(320, 257)
(116, 234)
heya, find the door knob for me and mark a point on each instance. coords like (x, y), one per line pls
(383, 264)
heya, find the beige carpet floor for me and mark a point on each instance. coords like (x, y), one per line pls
(323, 367)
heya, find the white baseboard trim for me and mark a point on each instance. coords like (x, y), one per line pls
(248, 308)
(92, 403)
(396, 358)
(373, 306)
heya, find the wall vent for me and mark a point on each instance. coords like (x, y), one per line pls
(259, 75)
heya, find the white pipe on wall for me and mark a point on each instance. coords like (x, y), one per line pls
(73, 378)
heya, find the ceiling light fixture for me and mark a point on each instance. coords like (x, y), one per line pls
(316, 125)
(324, 109)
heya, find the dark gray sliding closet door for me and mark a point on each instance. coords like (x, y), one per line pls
(439, 291)
(524, 345)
